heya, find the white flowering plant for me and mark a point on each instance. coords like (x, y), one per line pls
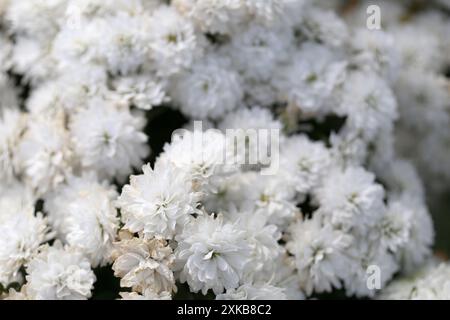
(320, 142)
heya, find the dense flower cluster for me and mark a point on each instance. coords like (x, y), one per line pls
(422, 50)
(78, 78)
(429, 283)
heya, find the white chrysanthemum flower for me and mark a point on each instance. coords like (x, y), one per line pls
(204, 156)
(286, 277)
(414, 252)
(173, 42)
(59, 273)
(395, 225)
(429, 283)
(36, 17)
(324, 26)
(267, 10)
(70, 92)
(364, 256)
(158, 202)
(43, 156)
(262, 238)
(264, 291)
(16, 196)
(437, 23)
(269, 196)
(141, 91)
(109, 140)
(232, 191)
(351, 198)
(423, 99)
(308, 82)
(348, 148)
(211, 254)
(84, 45)
(274, 199)
(375, 51)
(22, 232)
(82, 213)
(319, 253)
(30, 57)
(224, 16)
(401, 177)
(126, 41)
(258, 50)
(419, 48)
(144, 265)
(304, 162)
(217, 16)
(369, 104)
(381, 152)
(209, 89)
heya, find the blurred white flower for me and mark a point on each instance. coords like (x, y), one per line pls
(109, 140)
(59, 273)
(82, 213)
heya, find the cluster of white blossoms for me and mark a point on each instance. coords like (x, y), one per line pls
(432, 282)
(78, 79)
(420, 41)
